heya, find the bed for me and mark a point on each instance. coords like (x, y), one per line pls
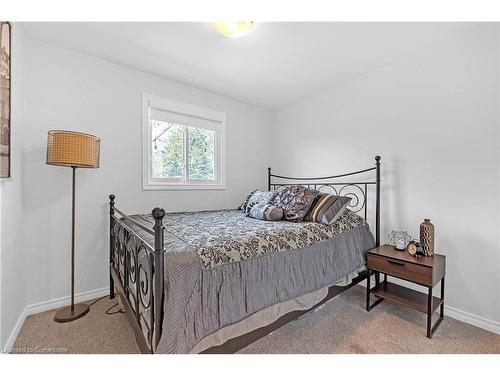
(215, 281)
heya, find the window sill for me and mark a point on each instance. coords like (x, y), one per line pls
(185, 187)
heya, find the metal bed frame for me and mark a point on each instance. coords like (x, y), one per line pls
(137, 268)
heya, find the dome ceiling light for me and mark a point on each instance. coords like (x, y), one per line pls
(234, 29)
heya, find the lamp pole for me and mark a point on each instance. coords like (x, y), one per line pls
(73, 242)
(73, 311)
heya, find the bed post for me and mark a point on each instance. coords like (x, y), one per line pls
(158, 277)
(111, 261)
(377, 214)
(268, 178)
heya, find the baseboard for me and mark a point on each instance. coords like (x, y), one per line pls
(452, 312)
(15, 331)
(49, 305)
(64, 301)
(477, 321)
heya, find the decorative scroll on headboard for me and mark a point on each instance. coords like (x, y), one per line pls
(357, 190)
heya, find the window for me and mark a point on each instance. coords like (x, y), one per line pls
(183, 146)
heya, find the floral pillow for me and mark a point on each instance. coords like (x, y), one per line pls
(257, 205)
(255, 197)
(295, 200)
(243, 206)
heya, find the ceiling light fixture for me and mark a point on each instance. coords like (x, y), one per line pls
(234, 29)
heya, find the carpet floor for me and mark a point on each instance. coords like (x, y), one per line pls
(340, 326)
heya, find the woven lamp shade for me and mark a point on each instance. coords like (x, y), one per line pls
(72, 149)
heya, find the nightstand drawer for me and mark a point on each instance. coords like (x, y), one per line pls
(404, 270)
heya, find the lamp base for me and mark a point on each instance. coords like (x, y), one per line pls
(67, 315)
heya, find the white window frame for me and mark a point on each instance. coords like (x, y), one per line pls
(174, 108)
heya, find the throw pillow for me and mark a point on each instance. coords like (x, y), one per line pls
(295, 201)
(328, 208)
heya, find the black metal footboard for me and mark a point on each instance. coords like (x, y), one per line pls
(136, 273)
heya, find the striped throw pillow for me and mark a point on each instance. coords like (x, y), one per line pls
(328, 208)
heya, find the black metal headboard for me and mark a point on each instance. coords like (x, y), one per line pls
(357, 190)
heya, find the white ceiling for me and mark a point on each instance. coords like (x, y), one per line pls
(275, 65)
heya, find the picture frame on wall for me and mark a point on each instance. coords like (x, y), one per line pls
(5, 99)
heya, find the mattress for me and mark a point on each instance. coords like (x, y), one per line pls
(222, 267)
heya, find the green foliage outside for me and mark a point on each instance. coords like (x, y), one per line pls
(168, 152)
(201, 151)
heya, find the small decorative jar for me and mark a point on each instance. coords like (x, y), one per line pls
(427, 237)
(399, 239)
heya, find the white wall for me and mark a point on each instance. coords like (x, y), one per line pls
(434, 120)
(12, 251)
(66, 90)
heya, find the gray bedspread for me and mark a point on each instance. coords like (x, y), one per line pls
(221, 267)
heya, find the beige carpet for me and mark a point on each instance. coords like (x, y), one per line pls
(96, 332)
(341, 326)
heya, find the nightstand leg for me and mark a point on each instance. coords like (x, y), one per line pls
(368, 291)
(385, 278)
(441, 311)
(429, 313)
(431, 330)
(377, 278)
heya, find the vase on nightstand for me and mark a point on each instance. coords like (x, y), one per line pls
(427, 237)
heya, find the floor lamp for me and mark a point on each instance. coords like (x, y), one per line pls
(75, 150)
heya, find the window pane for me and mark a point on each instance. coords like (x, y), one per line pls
(201, 154)
(168, 150)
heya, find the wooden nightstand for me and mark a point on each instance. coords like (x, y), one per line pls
(425, 271)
